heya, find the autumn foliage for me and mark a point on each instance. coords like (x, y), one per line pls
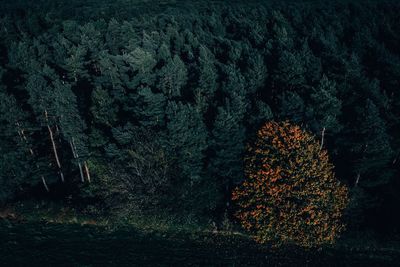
(290, 194)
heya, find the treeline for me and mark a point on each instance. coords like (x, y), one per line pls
(154, 112)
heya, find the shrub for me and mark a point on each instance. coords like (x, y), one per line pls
(290, 194)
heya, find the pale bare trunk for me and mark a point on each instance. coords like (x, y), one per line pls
(357, 179)
(62, 176)
(45, 184)
(21, 134)
(322, 138)
(81, 172)
(52, 140)
(54, 146)
(87, 171)
(76, 156)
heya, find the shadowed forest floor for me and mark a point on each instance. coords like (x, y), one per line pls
(76, 245)
(81, 242)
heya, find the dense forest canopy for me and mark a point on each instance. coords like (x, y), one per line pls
(130, 106)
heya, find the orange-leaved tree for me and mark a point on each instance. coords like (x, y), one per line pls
(290, 193)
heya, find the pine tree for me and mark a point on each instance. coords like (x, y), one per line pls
(142, 63)
(256, 72)
(290, 72)
(71, 125)
(207, 83)
(227, 147)
(324, 109)
(150, 107)
(103, 107)
(187, 142)
(291, 107)
(172, 77)
(260, 113)
(75, 63)
(16, 166)
(374, 150)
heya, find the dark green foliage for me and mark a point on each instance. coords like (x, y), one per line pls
(186, 143)
(103, 109)
(374, 151)
(14, 149)
(172, 77)
(160, 105)
(324, 107)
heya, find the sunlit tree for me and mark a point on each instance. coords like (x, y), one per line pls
(290, 194)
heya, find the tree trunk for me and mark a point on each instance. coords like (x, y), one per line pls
(81, 172)
(62, 176)
(322, 138)
(76, 156)
(357, 179)
(87, 171)
(52, 140)
(54, 146)
(44, 184)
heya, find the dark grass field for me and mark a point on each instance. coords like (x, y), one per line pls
(43, 244)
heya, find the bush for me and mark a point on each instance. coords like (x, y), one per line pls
(290, 194)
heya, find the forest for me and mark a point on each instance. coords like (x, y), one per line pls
(124, 108)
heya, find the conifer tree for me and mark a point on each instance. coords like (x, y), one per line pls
(227, 146)
(150, 107)
(256, 72)
(75, 63)
(172, 77)
(103, 107)
(15, 149)
(290, 72)
(187, 142)
(374, 152)
(291, 107)
(324, 109)
(207, 84)
(142, 63)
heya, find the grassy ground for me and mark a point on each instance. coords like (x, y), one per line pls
(50, 232)
(56, 213)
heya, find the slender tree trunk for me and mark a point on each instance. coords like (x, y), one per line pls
(357, 179)
(54, 146)
(62, 176)
(81, 172)
(76, 156)
(322, 138)
(52, 140)
(22, 135)
(45, 184)
(87, 171)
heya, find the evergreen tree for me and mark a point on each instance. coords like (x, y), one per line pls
(150, 107)
(291, 107)
(75, 63)
(207, 83)
(374, 152)
(15, 150)
(187, 142)
(324, 109)
(227, 146)
(290, 71)
(256, 72)
(103, 108)
(172, 77)
(142, 63)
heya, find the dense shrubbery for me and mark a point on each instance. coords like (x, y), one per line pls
(290, 194)
(78, 84)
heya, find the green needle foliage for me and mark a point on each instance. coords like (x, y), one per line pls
(149, 106)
